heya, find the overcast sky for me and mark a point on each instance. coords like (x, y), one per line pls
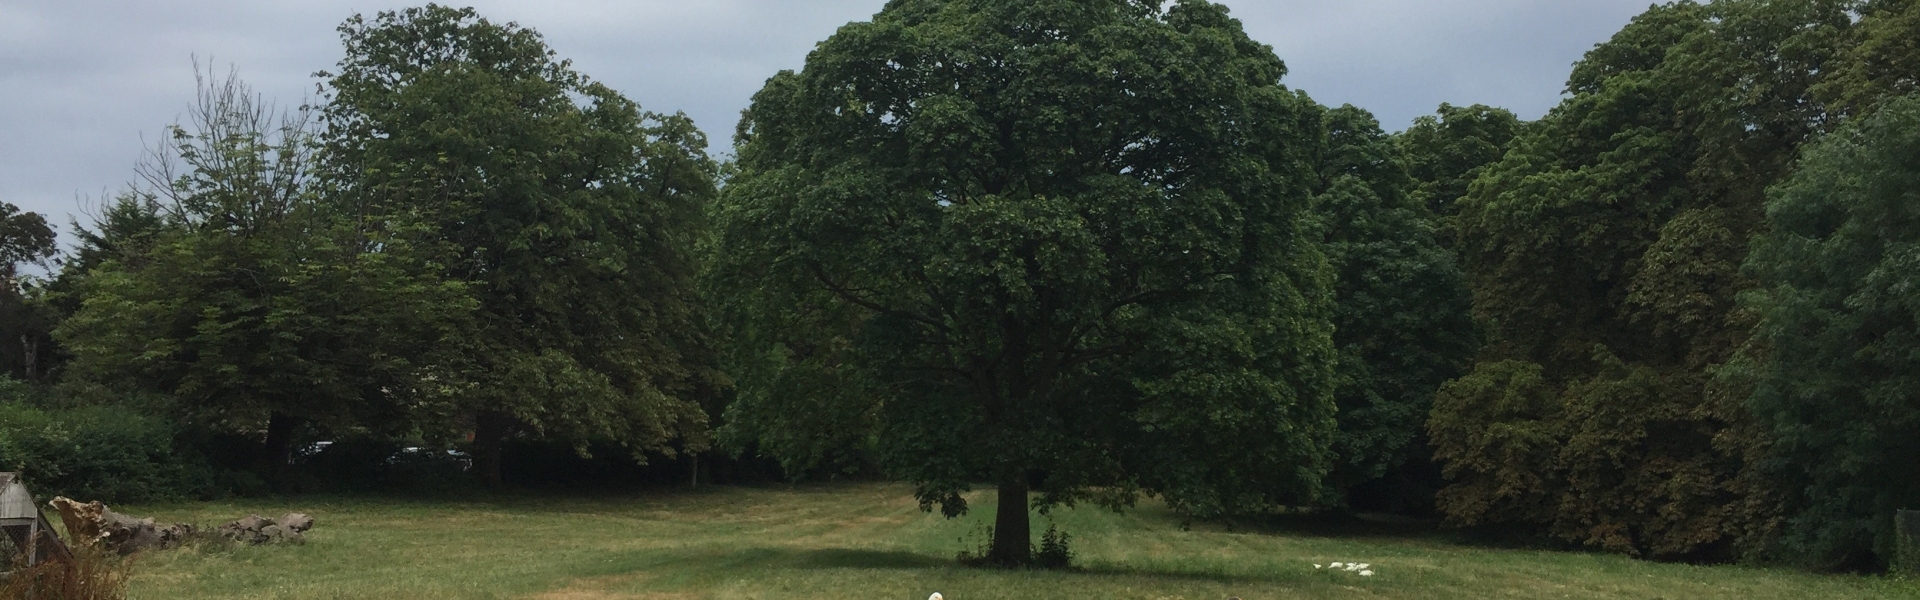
(82, 81)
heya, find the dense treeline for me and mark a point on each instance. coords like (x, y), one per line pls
(1402, 321)
(1083, 251)
(1609, 252)
(465, 243)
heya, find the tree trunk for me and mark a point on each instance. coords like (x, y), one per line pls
(489, 432)
(1012, 526)
(278, 449)
(30, 350)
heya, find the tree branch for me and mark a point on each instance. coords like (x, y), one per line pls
(845, 293)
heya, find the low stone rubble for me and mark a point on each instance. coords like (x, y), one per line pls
(290, 528)
(92, 523)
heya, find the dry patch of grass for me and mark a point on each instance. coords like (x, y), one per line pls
(871, 541)
(601, 588)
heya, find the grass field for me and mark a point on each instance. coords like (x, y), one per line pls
(871, 541)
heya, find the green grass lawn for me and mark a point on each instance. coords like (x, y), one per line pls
(872, 541)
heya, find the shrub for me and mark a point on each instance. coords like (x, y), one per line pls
(92, 574)
(1906, 526)
(1056, 551)
(96, 453)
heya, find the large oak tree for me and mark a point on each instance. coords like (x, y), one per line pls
(1073, 234)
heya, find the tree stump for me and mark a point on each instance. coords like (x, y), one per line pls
(92, 523)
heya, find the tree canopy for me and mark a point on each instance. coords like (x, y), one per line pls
(1447, 150)
(1604, 251)
(1880, 59)
(567, 213)
(1402, 322)
(248, 296)
(1074, 235)
(1836, 364)
(25, 239)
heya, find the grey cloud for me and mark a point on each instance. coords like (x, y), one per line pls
(1402, 58)
(82, 80)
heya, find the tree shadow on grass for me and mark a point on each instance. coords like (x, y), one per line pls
(775, 557)
(1406, 529)
(1176, 575)
(849, 558)
(1379, 527)
(846, 558)
(1339, 525)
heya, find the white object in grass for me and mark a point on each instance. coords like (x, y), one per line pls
(1316, 565)
(1366, 573)
(936, 596)
(1334, 566)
